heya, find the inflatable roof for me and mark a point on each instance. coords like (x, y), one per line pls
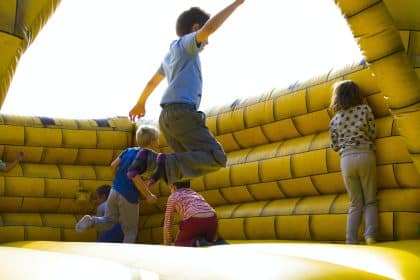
(280, 201)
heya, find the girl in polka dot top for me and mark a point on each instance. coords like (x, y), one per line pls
(352, 132)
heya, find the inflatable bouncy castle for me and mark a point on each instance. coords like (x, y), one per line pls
(281, 200)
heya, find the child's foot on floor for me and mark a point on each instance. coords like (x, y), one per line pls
(139, 165)
(370, 241)
(84, 223)
(201, 241)
(160, 172)
(221, 241)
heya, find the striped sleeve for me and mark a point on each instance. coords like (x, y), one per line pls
(169, 216)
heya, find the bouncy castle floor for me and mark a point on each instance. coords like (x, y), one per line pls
(258, 260)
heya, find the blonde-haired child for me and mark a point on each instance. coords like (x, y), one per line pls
(123, 202)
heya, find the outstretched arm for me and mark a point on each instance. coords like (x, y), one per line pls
(167, 225)
(139, 109)
(216, 21)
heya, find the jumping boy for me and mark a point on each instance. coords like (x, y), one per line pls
(196, 151)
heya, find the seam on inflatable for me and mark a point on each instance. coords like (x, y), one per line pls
(12, 34)
(307, 100)
(236, 140)
(394, 225)
(76, 160)
(217, 124)
(267, 140)
(95, 171)
(16, 16)
(295, 126)
(329, 73)
(276, 233)
(250, 150)
(332, 204)
(244, 225)
(223, 196)
(243, 116)
(24, 136)
(314, 186)
(21, 203)
(60, 171)
(234, 210)
(391, 53)
(310, 231)
(394, 171)
(299, 199)
(250, 192)
(281, 188)
(363, 9)
(97, 139)
(409, 41)
(292, 172)
(400, 109)
(263, 208)
(259, 163)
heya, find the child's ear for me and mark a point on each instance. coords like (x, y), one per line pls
(195, 27)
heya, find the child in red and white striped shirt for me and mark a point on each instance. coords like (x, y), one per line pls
(198, 226)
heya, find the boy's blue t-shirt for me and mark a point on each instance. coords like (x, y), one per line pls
(182, 68)
(122, 184)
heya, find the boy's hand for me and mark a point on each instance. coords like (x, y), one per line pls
(151, 199)
(137, 112)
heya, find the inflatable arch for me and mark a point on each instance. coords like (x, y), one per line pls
(280, 200)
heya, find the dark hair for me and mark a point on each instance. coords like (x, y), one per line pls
(182, 185)
(346, 94)
(103, 190)
(188, 18)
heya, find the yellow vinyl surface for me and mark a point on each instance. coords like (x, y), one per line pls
(282, 181)
(261, 260)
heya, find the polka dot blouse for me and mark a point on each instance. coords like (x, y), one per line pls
(353, 127)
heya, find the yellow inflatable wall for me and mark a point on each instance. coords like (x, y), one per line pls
(282, 181)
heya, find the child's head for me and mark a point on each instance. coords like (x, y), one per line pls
(190, 18)
(147, 136)
(180, 185)
(345, 94)
(102, 193)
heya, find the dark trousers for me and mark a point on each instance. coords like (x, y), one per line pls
(196, 151)
(192, 228)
